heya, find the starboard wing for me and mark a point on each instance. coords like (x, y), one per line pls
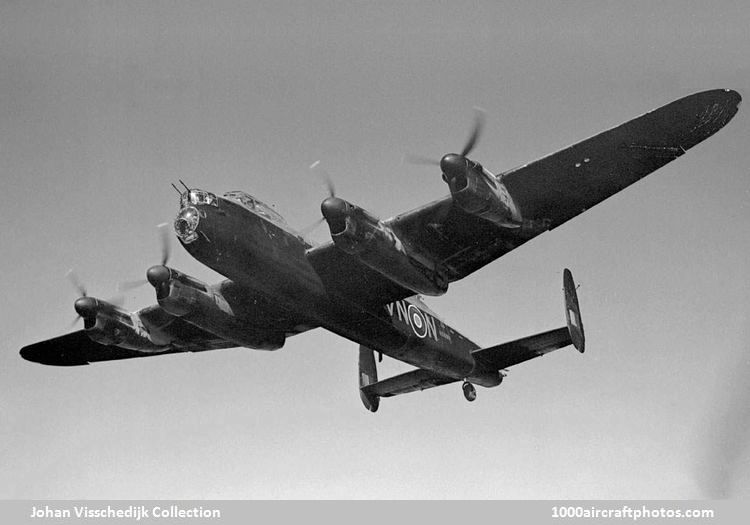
(548, 192)
(562, 185)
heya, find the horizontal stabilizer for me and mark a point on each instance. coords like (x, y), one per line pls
(413, 381)
(515, 352)
(508, 354)
(488, 360)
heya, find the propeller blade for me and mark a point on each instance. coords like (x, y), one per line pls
(118, 300)
(311, 227)
(166, 249)
(126, 286)
(323, 174)
(166, 245)
(420, 160)
(475, 133)
(76, 282)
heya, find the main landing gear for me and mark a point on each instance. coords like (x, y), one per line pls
(470, 393)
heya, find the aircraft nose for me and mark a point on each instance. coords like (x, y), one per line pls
(86, 307)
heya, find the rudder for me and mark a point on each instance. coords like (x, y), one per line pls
(368, 374)
(573, 312)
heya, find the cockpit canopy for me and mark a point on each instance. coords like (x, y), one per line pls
(196, 197)
(255, 206)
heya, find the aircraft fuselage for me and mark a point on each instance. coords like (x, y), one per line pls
(265, 257)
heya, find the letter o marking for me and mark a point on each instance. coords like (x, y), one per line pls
(418, 323)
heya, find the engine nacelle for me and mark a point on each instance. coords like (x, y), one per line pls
(361, 234)
(205, 307)
(106, 324)
(483, 196)
(477, 192)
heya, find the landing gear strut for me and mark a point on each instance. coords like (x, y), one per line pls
(470, 393)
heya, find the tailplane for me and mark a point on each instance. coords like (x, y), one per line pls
(490, 362)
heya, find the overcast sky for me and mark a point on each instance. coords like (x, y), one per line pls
(103, 105)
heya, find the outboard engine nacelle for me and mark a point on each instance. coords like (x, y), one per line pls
(106, 324)
(477, 192)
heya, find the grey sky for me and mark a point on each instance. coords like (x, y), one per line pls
(103, 104)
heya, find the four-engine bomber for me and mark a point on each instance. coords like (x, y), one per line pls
(363, 283)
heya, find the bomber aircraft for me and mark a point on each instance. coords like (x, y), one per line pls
(365, 283)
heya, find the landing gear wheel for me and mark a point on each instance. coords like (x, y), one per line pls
(470, 393)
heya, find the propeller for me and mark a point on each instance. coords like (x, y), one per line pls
(331, 189)
(86, 306)
(476, 133)
(166, 252)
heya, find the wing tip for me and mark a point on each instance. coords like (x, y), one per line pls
(733, 96)
(37, 354)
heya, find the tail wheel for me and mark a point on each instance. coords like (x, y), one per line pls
(470, 393)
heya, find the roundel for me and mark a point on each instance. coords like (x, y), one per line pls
(418, 323)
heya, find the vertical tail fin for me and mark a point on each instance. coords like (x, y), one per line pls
(368, 374)
(573, 312)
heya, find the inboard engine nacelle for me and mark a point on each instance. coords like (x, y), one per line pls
(361, 234)
(205, 307)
